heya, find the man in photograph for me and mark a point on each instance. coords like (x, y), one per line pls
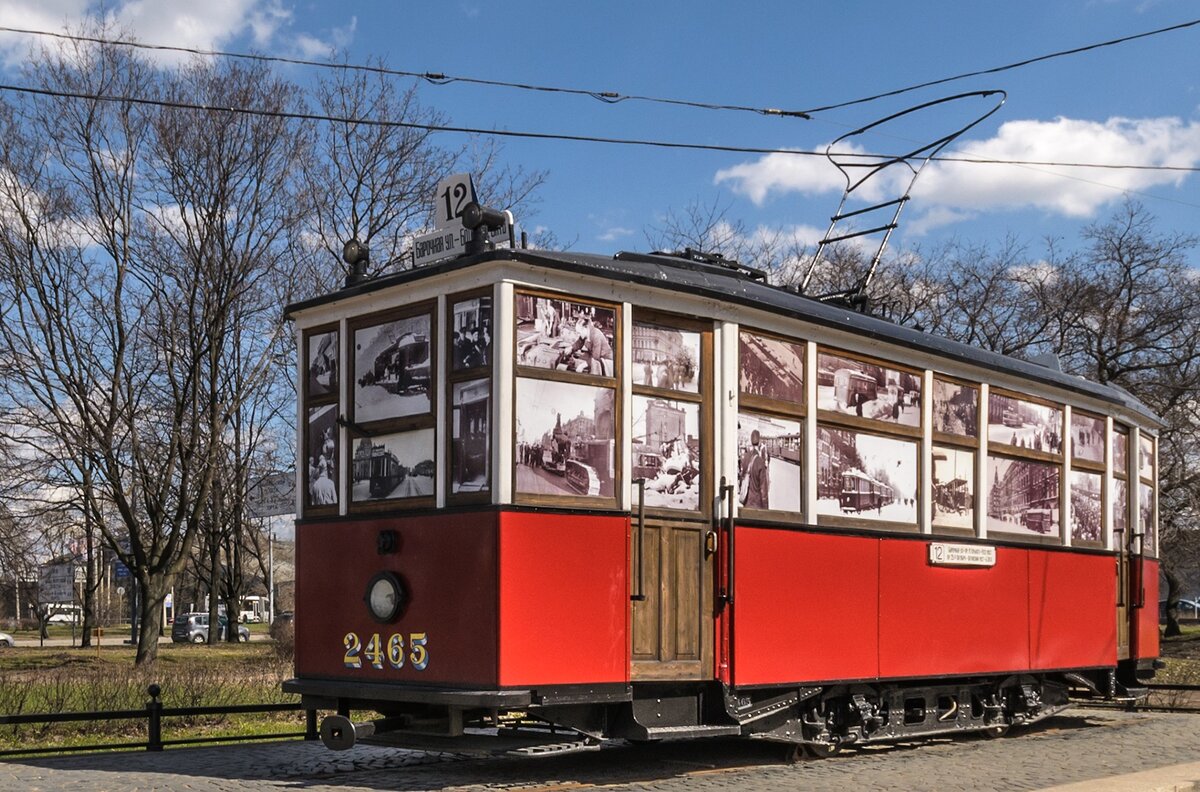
(596, 349)
(755, 475)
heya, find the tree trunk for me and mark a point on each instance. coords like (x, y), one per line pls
(153, 592)
(1174, 585)
(89, 583)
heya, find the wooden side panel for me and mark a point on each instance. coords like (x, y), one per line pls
(687, 552)
(449, 565)
(564, 598)
(1071, 601)
(647, 614)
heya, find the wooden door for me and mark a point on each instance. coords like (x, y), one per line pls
(673, 625)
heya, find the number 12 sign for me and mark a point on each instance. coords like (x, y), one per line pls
(453, 193)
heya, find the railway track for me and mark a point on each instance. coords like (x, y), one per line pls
(1158, 698)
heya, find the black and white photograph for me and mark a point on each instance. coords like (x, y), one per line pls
(1023, 498)
(562, 335)
(664, 357)
(666, 452)
(470, 449)
(769, 454)
(1024, 424)
(322, 364)
(855, 387)
(1120, 509)
(1087, 437)
(393, 466)
(392, 369)
(866, 476)
(771, 367)
(1146, 519)
(953, 487)
(955, 408)
(1145, 456)
(471, 335)
(1120, 453)
(322, 453)
(1085, 506)
(565, 439)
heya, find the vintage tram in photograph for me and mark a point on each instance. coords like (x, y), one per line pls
(540, 611)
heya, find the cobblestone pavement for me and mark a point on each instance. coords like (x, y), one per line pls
(1073, 748)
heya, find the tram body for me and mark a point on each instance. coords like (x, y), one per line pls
(558, 600)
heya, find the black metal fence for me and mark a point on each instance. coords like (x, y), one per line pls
(153, 713)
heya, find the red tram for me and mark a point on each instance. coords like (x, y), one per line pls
(526, 610)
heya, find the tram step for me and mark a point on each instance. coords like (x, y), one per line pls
(688, 732)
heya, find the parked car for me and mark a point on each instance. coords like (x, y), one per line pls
(6, 640)
(193, 628)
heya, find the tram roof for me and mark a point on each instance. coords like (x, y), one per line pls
(729, 284)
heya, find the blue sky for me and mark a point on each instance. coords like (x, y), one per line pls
(1135, 103)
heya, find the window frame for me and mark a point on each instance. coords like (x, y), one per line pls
(460, 376)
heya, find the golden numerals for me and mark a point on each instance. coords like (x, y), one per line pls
(376, 651)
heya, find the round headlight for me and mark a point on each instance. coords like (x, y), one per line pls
(386, 597)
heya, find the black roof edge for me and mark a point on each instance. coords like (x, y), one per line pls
(725, 284)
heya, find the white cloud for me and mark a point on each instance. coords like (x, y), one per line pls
(951, 191)
(616, 232)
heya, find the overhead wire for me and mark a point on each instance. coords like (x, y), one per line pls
(644, 142)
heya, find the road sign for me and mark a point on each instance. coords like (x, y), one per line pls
(56, 583)
(120, 570)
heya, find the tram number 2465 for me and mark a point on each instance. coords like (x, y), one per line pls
(392, 651)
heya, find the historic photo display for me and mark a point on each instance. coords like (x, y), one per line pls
(955, 408)
(664, 357)
(563, 335)
(953, 487)
(866, 476)
(771, 367)
(1087, 438)
(666, 452)
(393, 466)
(322, 453)
(1146, 518)
(392, 369)
(470, 452)
(471, 333)
(769, 451)
(1085, 506)
(565, 439)
(322, 364)
(1023, 498)
(856, 387)
(1024, 424)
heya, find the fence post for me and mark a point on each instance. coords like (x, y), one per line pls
(154, 710)
(310, 725)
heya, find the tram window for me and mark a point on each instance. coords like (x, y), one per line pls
(565, 439)
(1023, 498)
(1145, 456)
(770, 452)
(953, 477)
(393, 467)
(955, 409)
(868, 390)
(1120, 508)
(1085, 507)
(771, 368)
(564, 335)
(321, 365)
(1146, 521)
(321, 451)
(666, 451)
(471, 333)
(1120, 450)
(393, 367)
(866, 476)
(470, 436)
(1087, 437)
(1024, 425)
(666, 358)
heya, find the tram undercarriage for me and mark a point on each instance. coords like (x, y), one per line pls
(819, 720)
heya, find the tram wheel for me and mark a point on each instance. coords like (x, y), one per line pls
(995, 732)
(823, 750)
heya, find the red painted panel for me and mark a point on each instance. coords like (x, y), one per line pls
(951, 620)
(1072, 609)
(564, 599)
(449, 563)
(1144, 629)
(806, 607)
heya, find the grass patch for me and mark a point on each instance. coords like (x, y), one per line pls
(54, 680)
